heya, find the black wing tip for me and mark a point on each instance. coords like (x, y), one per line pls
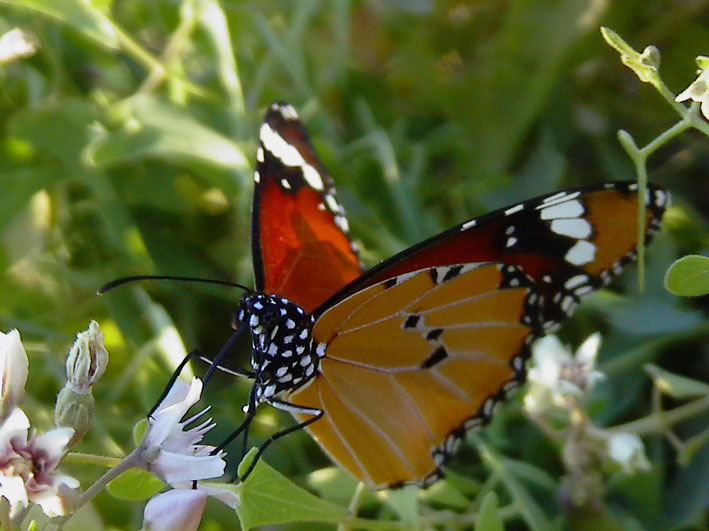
(281, 111)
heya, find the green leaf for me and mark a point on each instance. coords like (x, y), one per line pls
(675, 385)
(335, 485)
(156, 129)
(77, 13)
(69, 134)
(18, 186)
(688, 276)
(135, 484)
(692, 446)
(405, 502)
(267, 497)
(488, 517)
(529, 509)
(445, 494)
(531, 474)
(139, 429)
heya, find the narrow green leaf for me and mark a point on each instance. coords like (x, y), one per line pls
(81, 15)
(529, 509)
(688, 276)
(488, 517)
(405, 502)
(267, 497)
(445, 494)
(161, 130)
(676, 386)
(135, 484)
(692, 446)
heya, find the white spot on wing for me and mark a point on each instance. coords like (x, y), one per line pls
(581, 253)
(575, 281)
(567, 209)
(512, 210)
(576, 228)
(289, 155)
(468, 224)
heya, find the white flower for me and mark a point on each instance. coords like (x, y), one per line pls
(179, 457)
(27, 466)
(627, 450)
(699, 89)
(557, 375)
(14, 368)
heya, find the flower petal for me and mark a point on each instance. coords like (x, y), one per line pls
(172, 467)
(166, 417)
(14, 368)
(588, 351)
(175, 509)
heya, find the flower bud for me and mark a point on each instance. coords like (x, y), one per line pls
(74, 410)
(87, 360)
(627, 450)
(14, 367)
(175, 509)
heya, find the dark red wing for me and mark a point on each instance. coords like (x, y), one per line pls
(570, 243)
(299, 230)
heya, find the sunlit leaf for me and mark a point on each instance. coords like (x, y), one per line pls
(675, 385)
(488, 517)
(157, 129)
(267, 497)
(135, 484)
(77, 13)
(688, 276)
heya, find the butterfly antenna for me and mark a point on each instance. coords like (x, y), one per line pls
(127, 280)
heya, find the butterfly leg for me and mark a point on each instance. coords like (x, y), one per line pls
(291, 408)
(214, 364)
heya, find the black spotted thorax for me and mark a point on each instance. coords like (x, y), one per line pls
(281, 336)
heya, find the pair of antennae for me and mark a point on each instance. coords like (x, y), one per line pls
(127, 280)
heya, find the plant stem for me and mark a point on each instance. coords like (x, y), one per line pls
(656, 422)
(352, 508)
(132, 460)
(91, 459)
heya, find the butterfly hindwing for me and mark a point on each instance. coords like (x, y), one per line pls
(411, 362)
(299, 230)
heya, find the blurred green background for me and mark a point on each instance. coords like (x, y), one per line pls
(425, 113)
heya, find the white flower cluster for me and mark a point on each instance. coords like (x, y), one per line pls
(27, 460)
(561, 381)
(175, 456)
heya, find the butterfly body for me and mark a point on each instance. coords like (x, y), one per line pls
(283, 356)
(388, 368)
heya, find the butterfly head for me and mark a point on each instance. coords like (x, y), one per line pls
(282, 343)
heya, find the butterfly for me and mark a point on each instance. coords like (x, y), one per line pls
(388, 368)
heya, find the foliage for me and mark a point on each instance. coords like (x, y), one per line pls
(126, 145)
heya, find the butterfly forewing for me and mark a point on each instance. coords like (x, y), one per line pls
(570, 243)
(300, 246)
(411, 360)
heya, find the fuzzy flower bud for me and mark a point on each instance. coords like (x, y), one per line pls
(85, 364)
(14, 368)
(87, 360)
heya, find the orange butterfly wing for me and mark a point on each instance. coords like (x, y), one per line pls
(299, 240)
(411, 362)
